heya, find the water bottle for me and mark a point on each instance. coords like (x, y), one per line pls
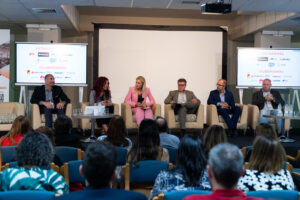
(280, 112)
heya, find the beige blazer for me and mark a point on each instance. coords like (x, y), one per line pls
(173, 96)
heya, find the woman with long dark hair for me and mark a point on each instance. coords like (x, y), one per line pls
(190, 171)
(116, 134)
(100, 94)
(19, 128)
(147, 146)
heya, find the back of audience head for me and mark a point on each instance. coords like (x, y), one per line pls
(99, 164)
(266, 130)
(20, 125)
(47, 131)
(116, 133)
(63, 125)
(213, 135)
(148, 141)
(225, 165)
(161, 124)
(34, 150)
(191, 161)
(267, 155)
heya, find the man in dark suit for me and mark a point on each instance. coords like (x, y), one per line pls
(183, 102)
(224, 101)
(99, 169)
(50, 98)
(267, 100)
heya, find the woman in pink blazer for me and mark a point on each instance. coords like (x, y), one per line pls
(137, 99)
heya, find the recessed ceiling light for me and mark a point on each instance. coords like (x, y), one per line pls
(43, 10)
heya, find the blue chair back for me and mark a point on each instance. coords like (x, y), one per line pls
(248, 148)
(146, 171)
(14, 164)
(178, 195)
(27, 195)
(73, 171)
(8, 154)
(66, 154)
(172, 153)
(275, 194)
(122, 155)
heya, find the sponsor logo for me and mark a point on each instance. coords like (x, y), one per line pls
(58, 72)
(28, 72)
(262, 58)
(276, 80)
(271, 64)
(52, 60)
(31, 54)
(43, 54)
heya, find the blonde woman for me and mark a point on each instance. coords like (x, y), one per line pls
(137, 99)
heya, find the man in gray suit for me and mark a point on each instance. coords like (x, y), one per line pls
(183, 102)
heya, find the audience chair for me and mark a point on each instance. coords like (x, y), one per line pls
(212, 117)
(52, 166)
(245, 150)
(86, 123)
(172, 153)
(122, 155)
(141, 177)
(129, 118)
(38, 119)
(66, 153)
(275, 194)
(178, 195)
(7, 154)
(253, 119)
(71, 172)
(8, 112)
(294, 158)
(27, 195)
(193, 121)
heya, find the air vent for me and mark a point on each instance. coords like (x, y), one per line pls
(296, 19)
(190, 2)
(43, 10)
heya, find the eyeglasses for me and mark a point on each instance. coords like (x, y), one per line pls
(181, 85)
(220, 85)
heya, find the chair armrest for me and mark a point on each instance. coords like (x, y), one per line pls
(116, 109)
(211, 115)
(294, 158)
(170, 116)
(253, 116)
(126, 113)
(69, 110)
(244, 114)
(200, 115)
(19, 109)
(35, 116)
(156, 109)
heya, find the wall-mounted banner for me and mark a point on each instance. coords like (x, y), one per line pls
(4, 64)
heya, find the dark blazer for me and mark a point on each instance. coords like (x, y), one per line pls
(57, 94)
(214, 98)
(103, 194)
(259, 100)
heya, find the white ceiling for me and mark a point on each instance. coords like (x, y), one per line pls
(17, 13)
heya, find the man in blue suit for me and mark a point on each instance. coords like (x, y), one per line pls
(224, 101)
(99, 169)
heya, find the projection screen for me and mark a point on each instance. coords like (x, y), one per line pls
(162, 57)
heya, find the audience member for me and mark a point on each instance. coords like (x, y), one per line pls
(147, 146)
(224, 168)
(213, 135)
(137, 99)
(50, 98)
(189, 173)
(19, 128)
(63, 135)
(50, 134)
(266, 167)
(98, 168)
(224, 101)
(100, 94)
(116, 134)
(182, 102)
(166, 138)
(34, 153)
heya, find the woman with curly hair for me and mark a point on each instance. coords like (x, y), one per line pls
(100, 94)
(34, 155)
(19, 128)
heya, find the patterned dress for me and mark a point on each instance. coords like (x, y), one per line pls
(170, 180)
(254, 180)
(32, 179)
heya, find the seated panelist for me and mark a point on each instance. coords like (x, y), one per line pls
(137, 99)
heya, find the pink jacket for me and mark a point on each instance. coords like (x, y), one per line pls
(132, 97)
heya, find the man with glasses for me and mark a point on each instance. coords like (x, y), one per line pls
(267, 100)
(224, 101)
(183, 102)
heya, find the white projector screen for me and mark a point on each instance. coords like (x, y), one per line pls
(162, 57)
(281, 66)
(67, 63)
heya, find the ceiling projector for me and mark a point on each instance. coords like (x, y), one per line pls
(216, 8)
